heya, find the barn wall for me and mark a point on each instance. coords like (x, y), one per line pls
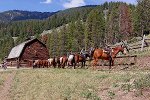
(16, 63)
(12, 62)
(33, 51)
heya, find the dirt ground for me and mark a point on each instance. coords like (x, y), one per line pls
(4, 92)
(141, 63)
(123, 95)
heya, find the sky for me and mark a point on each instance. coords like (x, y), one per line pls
(50, 5)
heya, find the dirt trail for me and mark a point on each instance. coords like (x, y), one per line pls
(7, 85)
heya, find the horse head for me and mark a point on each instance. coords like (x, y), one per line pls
(125, 45)
(118, 49)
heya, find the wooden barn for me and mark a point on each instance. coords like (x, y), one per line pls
(23, 54)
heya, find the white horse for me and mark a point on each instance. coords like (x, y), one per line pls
(51, 61)
(71, 60)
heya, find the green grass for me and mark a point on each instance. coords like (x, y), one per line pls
(69, 84)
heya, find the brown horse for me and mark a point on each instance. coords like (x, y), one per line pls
(63, 61)
(81, 58)
(40, 63)
(57, 59)
(99, 53)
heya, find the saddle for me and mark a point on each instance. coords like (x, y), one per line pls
(108, 51)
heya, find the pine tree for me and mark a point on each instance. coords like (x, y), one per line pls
(79, 35)
(95, 28)
(113, 23)
(125, 22)
(143, 13)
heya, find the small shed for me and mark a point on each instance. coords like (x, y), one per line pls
(23, 54)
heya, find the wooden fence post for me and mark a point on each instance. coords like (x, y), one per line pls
(142, 46)
(18, 63)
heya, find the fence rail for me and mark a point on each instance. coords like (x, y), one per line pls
(126, 56)
(140, 43)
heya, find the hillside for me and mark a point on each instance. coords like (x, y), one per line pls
(16, 15)
(19, 15)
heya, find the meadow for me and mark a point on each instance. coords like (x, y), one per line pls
(78, 84)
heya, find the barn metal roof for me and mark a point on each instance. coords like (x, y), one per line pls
(17, 50)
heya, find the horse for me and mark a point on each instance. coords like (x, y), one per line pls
(45, 63)
(81, 58)
(62, 61)
(36, 64)
(52, 62)
(40, 63)
(71, 60)
(99, 53)
(57, 60)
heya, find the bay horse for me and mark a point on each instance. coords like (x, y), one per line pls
(58, 62)
(81, 58)
(99, 53)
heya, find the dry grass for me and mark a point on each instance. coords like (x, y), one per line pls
(3, 77)
(69, 84)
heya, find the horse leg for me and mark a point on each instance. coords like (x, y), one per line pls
(95, 64)
(69, 64)
(110, 63)
(74, 65)
(58, 65)
(84, 64)
(43, 64)
(46, 64)
(53, 64)
(38, 65)
(63, 65)
(81, 65)
(78, 63)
